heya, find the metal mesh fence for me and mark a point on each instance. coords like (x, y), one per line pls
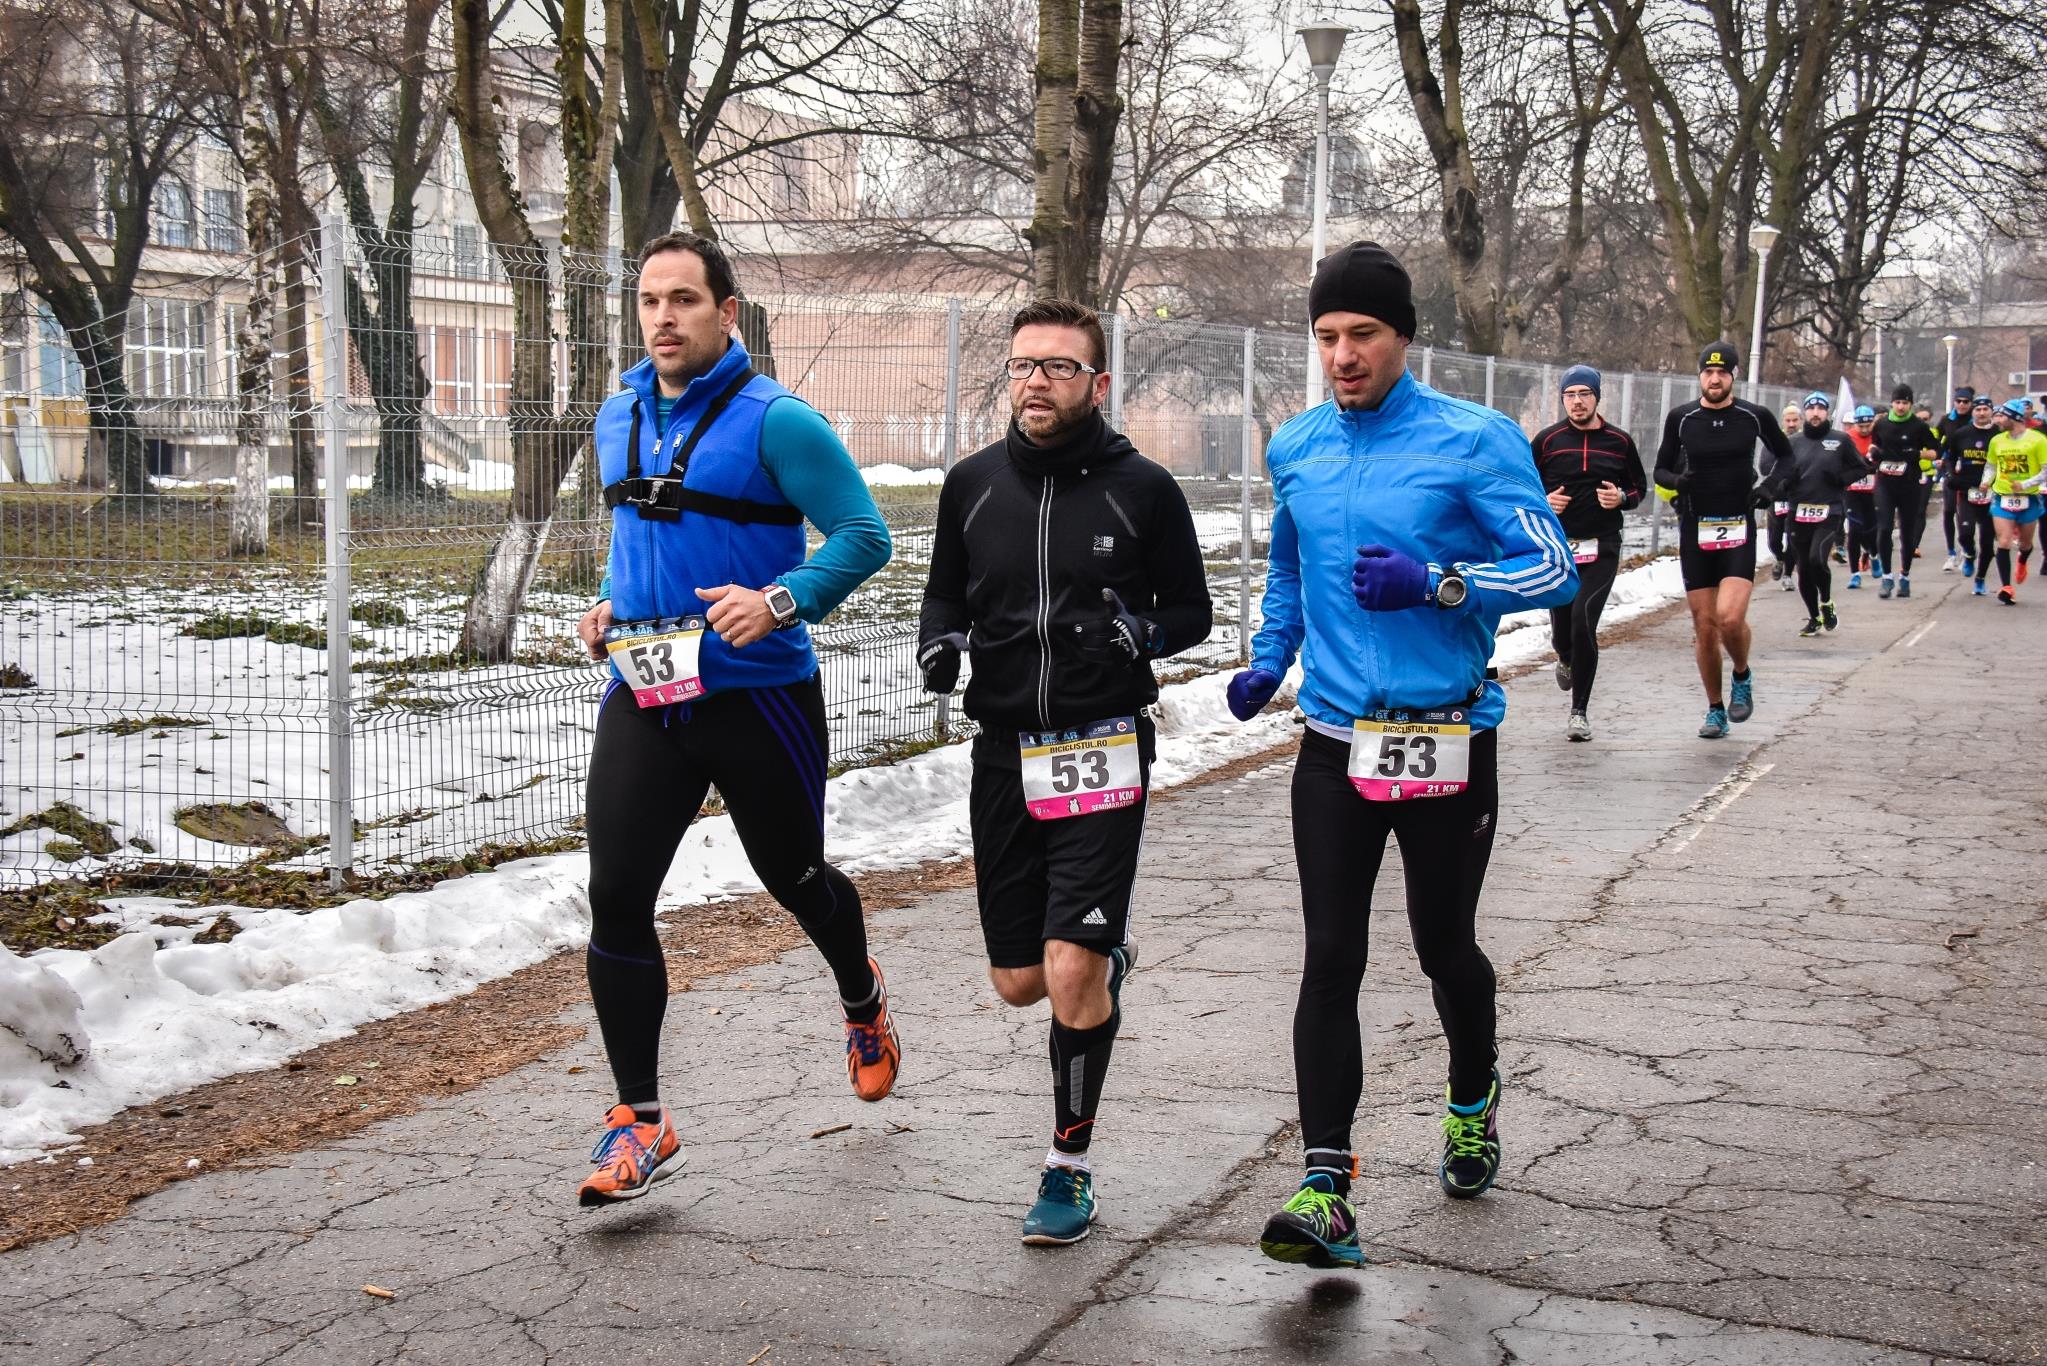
(344, 681)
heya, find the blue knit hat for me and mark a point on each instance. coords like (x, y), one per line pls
(1580, 374)
(1817, 397)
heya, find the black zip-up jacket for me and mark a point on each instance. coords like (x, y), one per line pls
(1578, 461)
(1027, 539)
(1823, 463)
(1901, 443)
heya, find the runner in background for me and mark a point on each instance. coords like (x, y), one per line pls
(1965, 450)
(1861, 533)
(2014, 474)
(1904, 444)
(1956, 419)
(1592, 473)
(1783, 565)
(1814, 481)
(1708, 454)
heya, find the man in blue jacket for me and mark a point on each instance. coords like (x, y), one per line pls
(710, 471)
(1405, 524)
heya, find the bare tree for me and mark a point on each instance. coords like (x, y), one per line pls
(378, 95)
(1072, 145)
(98, 101)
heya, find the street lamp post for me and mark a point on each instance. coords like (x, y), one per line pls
(1949, 342)
(1760, 239)
(1878, 378)
(1325, 44)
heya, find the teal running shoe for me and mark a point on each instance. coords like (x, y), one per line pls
(1904, 587)
(1855, 579)
(1317, 1227)
(1065, 1207)
(1741, 702)
(1471, 1144)
(1715, 726)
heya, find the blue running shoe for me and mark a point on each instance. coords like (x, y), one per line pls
(1977, 591)
(1715, 727)
(1885, 587)
(1741, 703)
(1471, 1144)
(1969, 567)
(1904, 588)
(1317, 1227)
(1065, 1208)
(1855, 579)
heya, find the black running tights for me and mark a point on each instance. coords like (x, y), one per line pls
(1574, 630)
(1901, 504)
(1339, 841)
(1812, 546)
(765, 749)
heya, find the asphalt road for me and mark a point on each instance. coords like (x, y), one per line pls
(1772, 1022)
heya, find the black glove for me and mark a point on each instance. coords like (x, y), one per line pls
(939, 659)
(1122, 637)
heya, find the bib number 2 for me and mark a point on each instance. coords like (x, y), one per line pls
(658, 659)
(1723, 533)
(1081, 771)
(1399, 756)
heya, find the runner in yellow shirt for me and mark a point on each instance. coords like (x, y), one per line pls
(2014, 474)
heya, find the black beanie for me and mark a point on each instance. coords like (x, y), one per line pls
(1363, 278)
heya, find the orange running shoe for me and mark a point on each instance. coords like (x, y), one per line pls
(630, 1158)
(2022, 571)
(873, 1052)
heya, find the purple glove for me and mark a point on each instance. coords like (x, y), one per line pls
(1250, 690)
(1384, 580)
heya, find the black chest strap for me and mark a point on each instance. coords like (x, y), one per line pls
(663, 497)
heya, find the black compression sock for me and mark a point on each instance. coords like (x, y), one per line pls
(1741, 675)
(1331, 1168)
(648, 1113)
(1080, 1063)
(864, 1012)
(2004, 567)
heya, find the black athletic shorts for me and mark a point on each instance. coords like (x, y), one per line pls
(1069, 879)
(1706, 568)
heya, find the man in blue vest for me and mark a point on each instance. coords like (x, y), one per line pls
(710, 471)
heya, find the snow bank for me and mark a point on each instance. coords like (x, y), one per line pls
(84, 1034)
(901, 476)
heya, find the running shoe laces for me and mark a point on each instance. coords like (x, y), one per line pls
(1325, 1212)
(606, 1152)
(1465, 1135)
(866, 1039)
(1064, 1185)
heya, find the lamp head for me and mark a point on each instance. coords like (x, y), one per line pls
(1762, 237)
(1324, 43)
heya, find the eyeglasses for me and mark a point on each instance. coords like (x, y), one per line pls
(1055, 367)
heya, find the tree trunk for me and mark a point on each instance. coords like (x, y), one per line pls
(675, 139)
(1092, 165)
(298, 390)
(1050, 232)
(249, 523)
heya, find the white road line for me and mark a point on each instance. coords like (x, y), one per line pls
(1909, 641)
(1729, 790)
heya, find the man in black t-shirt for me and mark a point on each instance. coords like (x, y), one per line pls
(1708, 454)
(1900, 442)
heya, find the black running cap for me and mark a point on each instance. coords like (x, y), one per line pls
(1720, 356)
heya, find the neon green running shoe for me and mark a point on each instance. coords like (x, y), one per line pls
(1471, 1144)
(1317, 1227)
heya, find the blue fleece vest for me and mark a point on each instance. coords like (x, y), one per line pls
(657, 566)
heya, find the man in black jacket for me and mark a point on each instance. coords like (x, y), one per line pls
(1905, 449)
(1064, 562)
(1813, 483)
(1592, 473)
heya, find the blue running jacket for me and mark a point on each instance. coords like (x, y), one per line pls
(1447, 482)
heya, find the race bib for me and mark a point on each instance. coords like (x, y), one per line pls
(1397, 756)
(1865, 485)
(1081, 771)
(1814, 512)
(2014, 502)
(1586, 551)
(1723, 533)
(658, 659)
(1780, 509)
(1893, 466)
(1980, 497)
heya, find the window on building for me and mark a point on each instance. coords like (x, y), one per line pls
(791, 181)
(223, 220)
(166, 349)
(172, 212)
(466, 246)
(450, 357)
(2036, 365)
(62, 375)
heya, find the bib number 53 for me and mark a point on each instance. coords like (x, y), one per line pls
(1087, 771)
(1407, 756)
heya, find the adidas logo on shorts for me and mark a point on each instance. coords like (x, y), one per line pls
(1094, 917)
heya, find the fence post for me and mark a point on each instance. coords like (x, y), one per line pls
(952, 382)
(1244, 507)
(1489, 366)
(1117, 323)
(1655, 498)
(340, 705)
(1428, 364)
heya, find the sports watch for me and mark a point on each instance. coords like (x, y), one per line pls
(1450, 590)
(782, 603)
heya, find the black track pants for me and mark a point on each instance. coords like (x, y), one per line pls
(1900, 503)
(765, 748)
(1574, 630)
(1339, 841)
(1812, 546)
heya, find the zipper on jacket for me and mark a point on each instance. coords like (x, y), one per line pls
(1045, 605)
